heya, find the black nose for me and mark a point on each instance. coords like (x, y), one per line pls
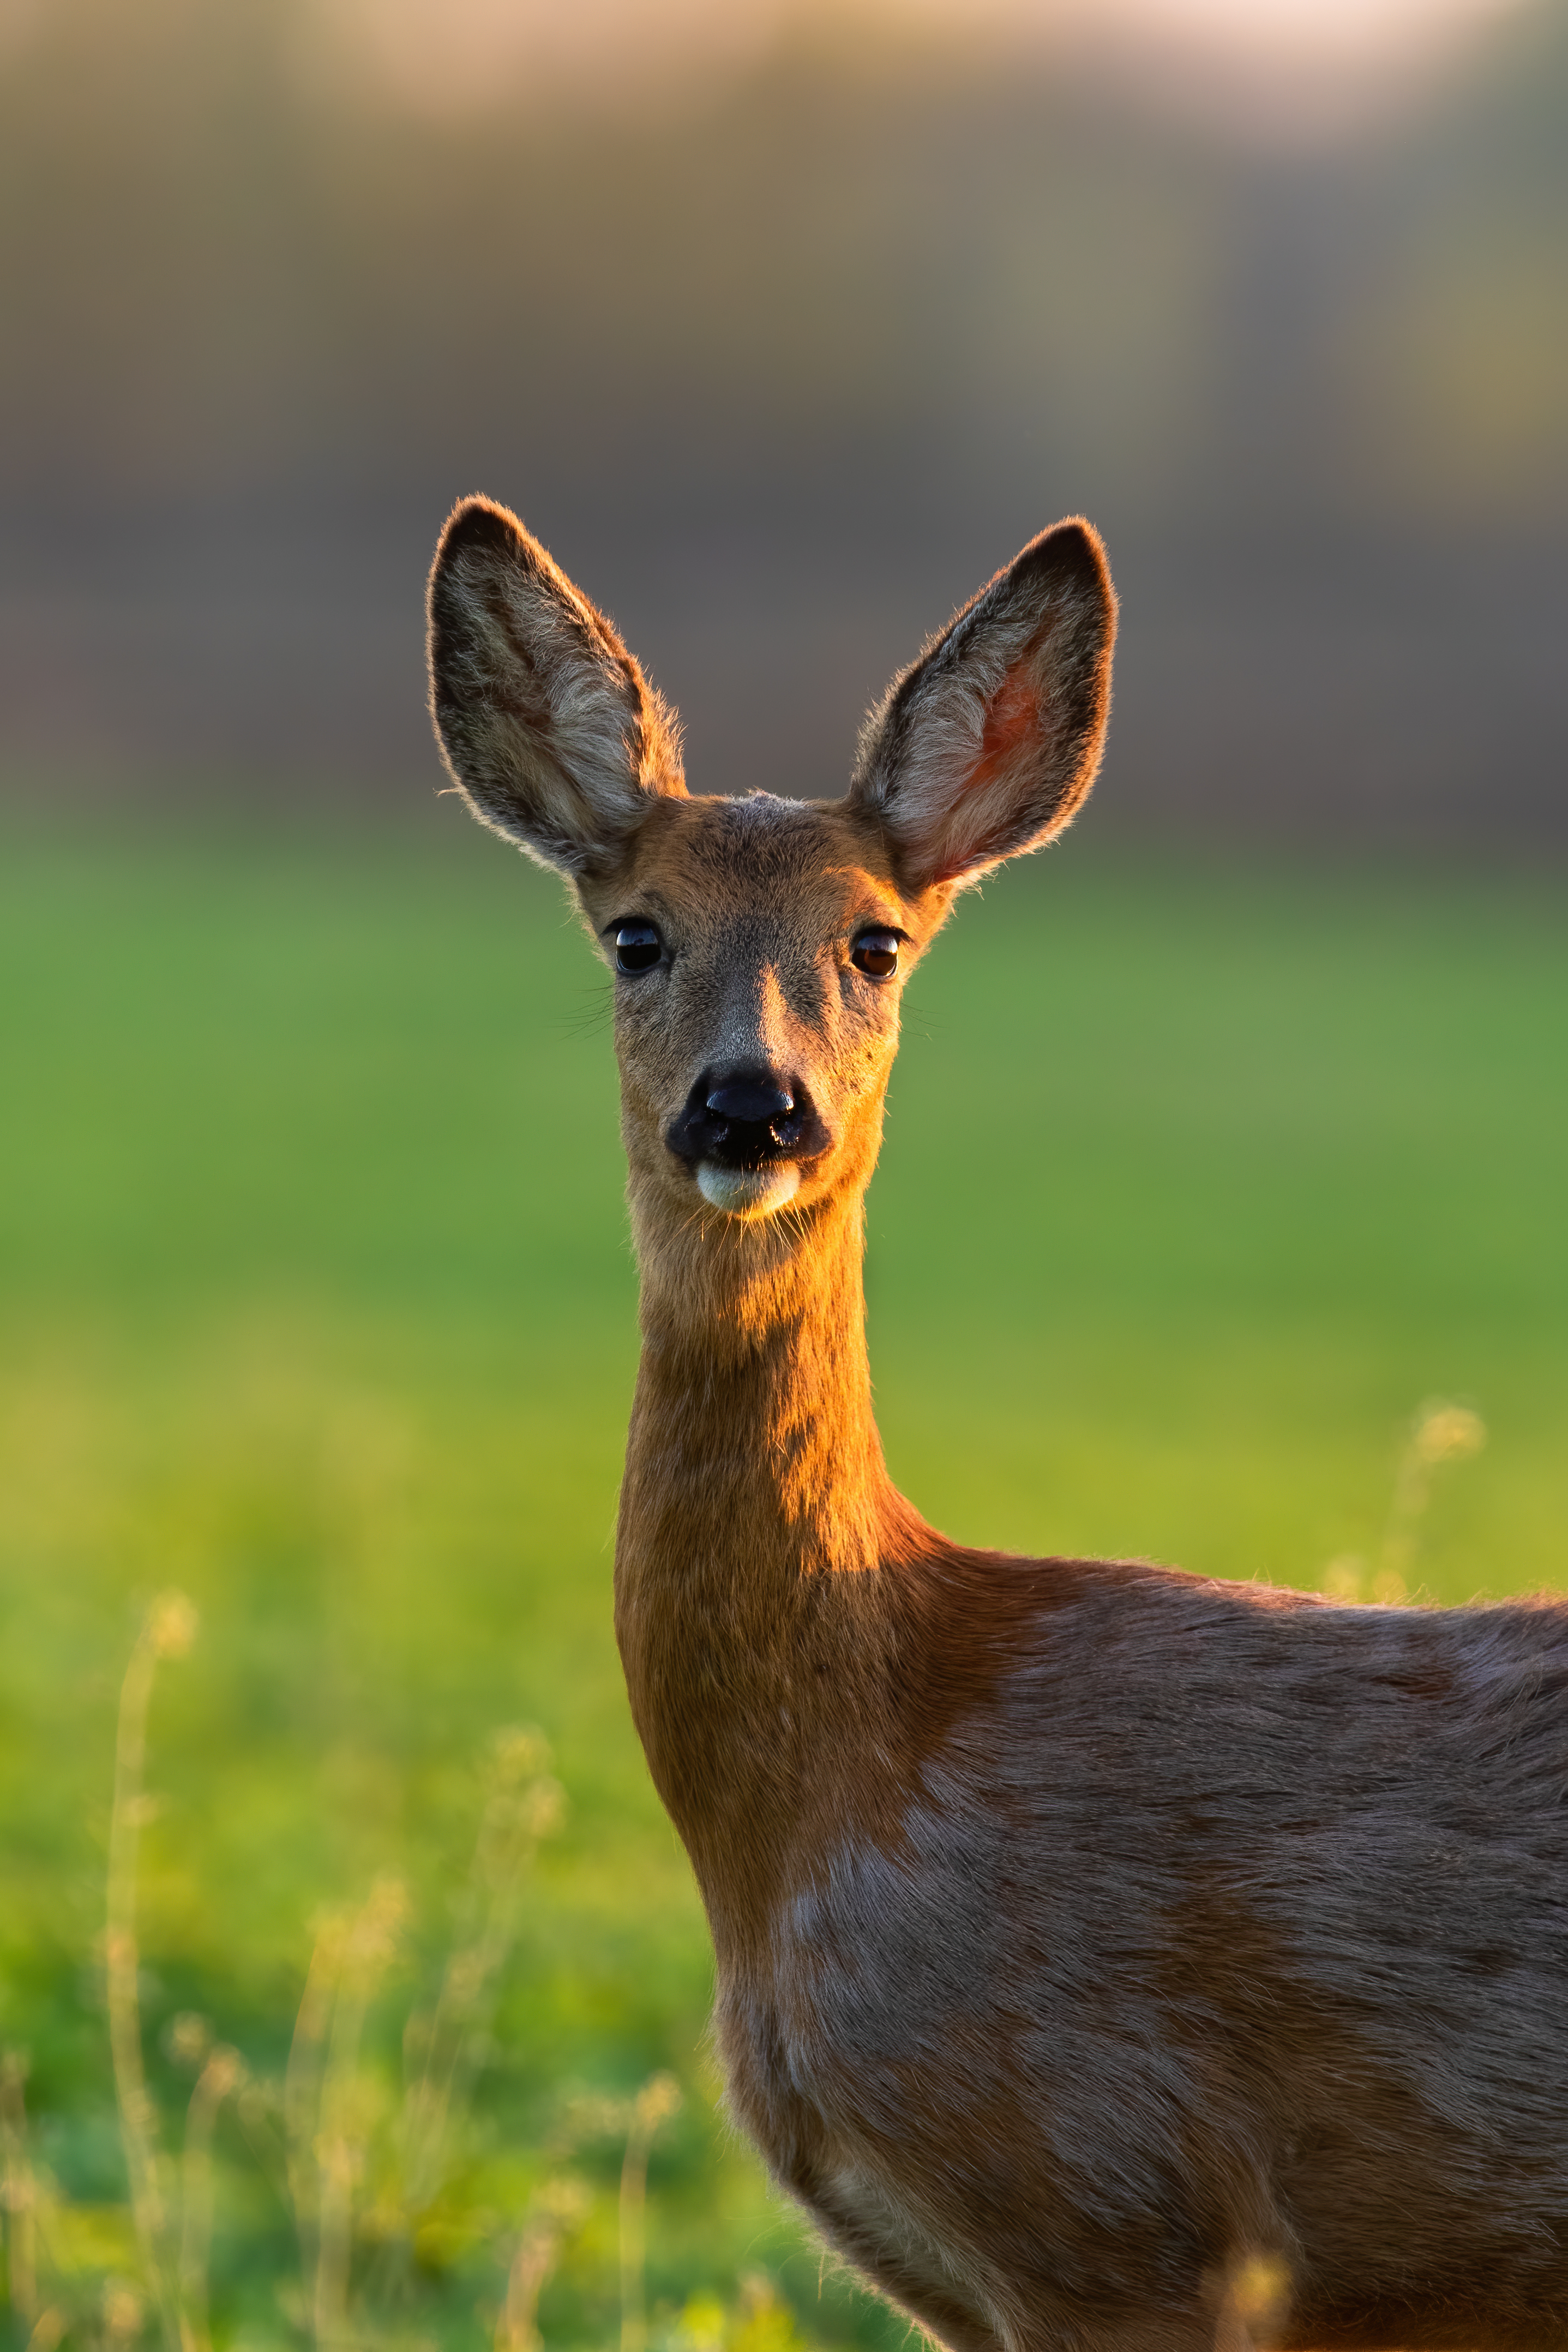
(746, 1118)
(754, 1102)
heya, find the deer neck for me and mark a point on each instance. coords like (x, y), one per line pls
(753, 1417)
(758, 1527)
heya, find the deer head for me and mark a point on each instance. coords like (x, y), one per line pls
(759, 945)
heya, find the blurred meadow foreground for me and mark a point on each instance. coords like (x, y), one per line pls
(352, 1985)
(320, 1315)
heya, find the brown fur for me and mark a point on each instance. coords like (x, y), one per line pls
(1110, 1961)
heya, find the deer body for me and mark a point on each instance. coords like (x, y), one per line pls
(1108, 1960)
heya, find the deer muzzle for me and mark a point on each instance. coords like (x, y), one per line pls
(744, 1135)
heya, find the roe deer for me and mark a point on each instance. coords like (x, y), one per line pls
(1109, 1960)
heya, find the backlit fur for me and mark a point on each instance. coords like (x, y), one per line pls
(1008, 701)
(1108, 1960)
(554, 737)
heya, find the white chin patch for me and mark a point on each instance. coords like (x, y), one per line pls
(748, 1191)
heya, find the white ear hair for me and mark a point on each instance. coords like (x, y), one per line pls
(549, 730)
(988, 744)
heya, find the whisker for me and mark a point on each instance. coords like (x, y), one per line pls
(582, 1024)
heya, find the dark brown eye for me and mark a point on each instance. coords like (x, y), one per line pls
(877, 954)
(638, 947)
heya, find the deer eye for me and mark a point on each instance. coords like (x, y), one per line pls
(638, 947)
(877, 954)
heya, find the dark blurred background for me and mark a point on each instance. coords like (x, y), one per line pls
(783, 345)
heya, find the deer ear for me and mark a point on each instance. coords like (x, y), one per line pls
(990, 741)
(550, 732)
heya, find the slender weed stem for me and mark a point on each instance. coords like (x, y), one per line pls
(168, 1633)
(333, 2109)
(559, 2207)
(223, 2073)
(18, 2192)
(302, 2088)
(522, 1805)
(659, 2098)
(367, 1950)
(1440, 1432)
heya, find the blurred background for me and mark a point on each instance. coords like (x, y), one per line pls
(1221, 1212)
(784, 326)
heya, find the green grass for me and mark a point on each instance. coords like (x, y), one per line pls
(318, 1305)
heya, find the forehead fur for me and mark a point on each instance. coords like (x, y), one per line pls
(729, 852)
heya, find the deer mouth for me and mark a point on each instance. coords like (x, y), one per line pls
(748, 1191)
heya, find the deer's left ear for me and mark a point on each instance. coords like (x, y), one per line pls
(990, 743)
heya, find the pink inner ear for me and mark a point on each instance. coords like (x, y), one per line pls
(1012, 726)
(1014, 733)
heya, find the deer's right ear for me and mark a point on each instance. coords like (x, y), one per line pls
(551, 730)
(990, 743)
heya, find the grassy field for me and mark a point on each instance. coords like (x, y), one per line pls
(317, 1307)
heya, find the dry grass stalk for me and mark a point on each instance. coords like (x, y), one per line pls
(124, 2315)
(48, 2331)
(658, 2099)
(223, 2074)
(523, 1804)
(1439, 1432)
(329, 2100)
(302, 2087)
(559, 2206)
(18, 2192)
(168, 1633)
(365, 1951)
